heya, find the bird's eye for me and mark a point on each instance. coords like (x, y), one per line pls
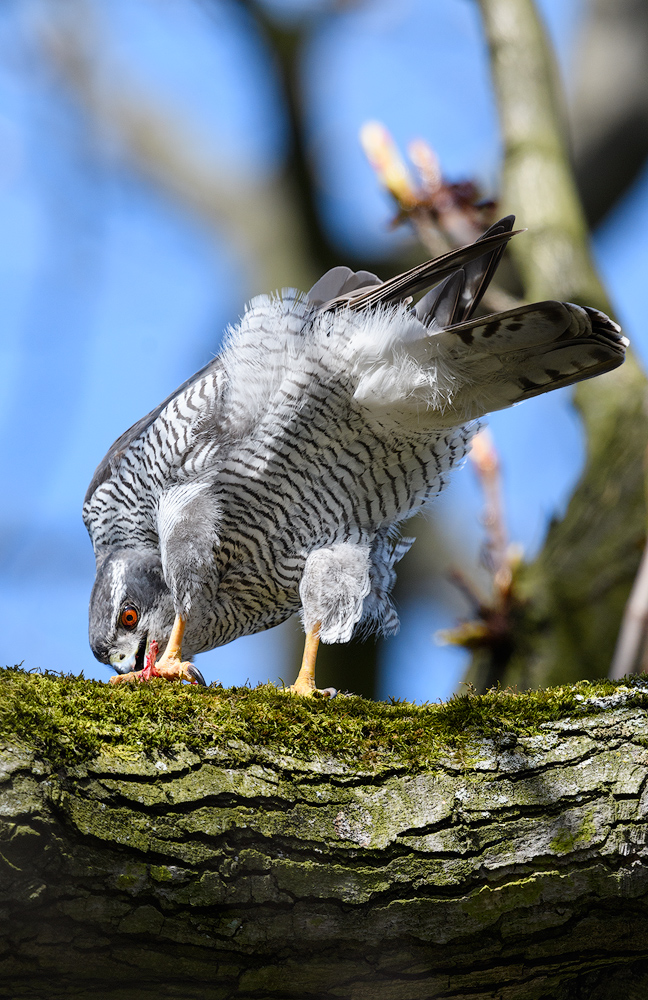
(129, 617)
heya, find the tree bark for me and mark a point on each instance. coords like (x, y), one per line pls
(519, 870)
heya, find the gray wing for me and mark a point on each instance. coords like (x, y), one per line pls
(342, 287)
(155, 470)
(115, 453)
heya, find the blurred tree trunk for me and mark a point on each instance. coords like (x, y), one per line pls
(521, 873)
(571, 599)
(608, 111)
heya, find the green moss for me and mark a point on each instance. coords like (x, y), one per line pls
(563, 842)
(523, 893)
(68, 719)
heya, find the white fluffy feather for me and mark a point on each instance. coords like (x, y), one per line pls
(377, 354)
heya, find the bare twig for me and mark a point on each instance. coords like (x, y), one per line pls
(492, 629)
(485, 461)
(631, 652)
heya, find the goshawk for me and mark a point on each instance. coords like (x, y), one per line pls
(276, 478)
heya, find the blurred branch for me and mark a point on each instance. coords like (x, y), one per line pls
(609, 110)
(578, 586)
(286, 42)
(492, 635)
(537, 180)
(444, 215)
(260, 218)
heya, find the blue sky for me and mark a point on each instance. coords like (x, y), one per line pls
(112, 294)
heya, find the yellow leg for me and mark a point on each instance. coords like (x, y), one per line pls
(170, 664)
(305, 683)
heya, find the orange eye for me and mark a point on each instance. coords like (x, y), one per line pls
(129, 617)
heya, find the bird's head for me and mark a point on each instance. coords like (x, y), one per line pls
(130, 606)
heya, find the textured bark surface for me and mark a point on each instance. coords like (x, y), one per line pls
(519, 870)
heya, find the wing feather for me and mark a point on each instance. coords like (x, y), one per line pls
(113, 457)
(422, 276)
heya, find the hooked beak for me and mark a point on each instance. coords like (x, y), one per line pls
(134, 662)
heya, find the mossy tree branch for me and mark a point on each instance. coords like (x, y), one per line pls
(494, 845)
(573, 596)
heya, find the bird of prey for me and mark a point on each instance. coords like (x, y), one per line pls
(277, 477)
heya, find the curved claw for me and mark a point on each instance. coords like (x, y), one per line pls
(196, 676)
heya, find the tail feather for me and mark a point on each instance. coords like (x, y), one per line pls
(435, 365)
(428, 380)
(514, 355)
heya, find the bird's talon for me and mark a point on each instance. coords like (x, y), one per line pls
(195, 675)
(324, 692)
(172, 669)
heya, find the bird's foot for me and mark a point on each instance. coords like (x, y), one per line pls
(308, 690)
(173, 668)
(170, 667)
(305, 683)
